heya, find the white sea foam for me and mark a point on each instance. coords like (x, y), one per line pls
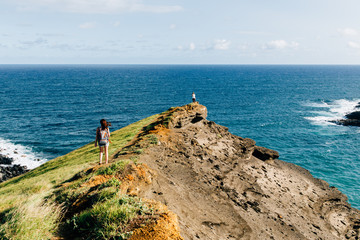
(322, 104)
(321, 120)
(335, 110)
(342, 107)
(22, 155)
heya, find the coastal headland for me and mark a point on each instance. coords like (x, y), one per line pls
(175, 175)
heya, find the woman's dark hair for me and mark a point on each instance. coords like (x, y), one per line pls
(104, 124)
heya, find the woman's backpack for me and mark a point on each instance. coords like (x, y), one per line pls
(103, 136)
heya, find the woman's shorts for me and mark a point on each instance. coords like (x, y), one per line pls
(104, 145)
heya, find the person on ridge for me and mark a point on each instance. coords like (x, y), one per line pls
(193, 97)
(103, 139)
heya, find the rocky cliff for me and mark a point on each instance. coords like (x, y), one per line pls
(223, 186)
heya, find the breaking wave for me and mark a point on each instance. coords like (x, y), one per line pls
(326, 111)
(22, 155)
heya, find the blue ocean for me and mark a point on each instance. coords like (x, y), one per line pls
(49, 110)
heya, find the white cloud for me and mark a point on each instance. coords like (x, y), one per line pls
(280, 44)
(172, 26)
(222, 44)
(94, 6)
(348, 32)
(190, 47)
(353, 45)
(87, 25)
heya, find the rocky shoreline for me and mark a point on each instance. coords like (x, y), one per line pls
(351, 119)
(8, 170)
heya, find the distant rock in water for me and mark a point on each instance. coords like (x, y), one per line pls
(10, 171)
(351, 119)
(353, 115)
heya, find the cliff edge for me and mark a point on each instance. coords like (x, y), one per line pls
(225, 187)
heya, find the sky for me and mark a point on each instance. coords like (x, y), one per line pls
(179, 32)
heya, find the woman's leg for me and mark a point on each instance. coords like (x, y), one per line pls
(101, 154)
(106, 154)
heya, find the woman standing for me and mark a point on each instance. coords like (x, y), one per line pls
(102, 139)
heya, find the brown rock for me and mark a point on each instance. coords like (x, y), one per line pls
(265, 153)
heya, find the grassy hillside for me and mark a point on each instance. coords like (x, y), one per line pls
(29, 204)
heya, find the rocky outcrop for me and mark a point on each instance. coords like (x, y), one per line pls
(265, 153)
(225, 187)
(353, 115)
(189, 114)
(7, 170)
(351, 119)
(5, 160)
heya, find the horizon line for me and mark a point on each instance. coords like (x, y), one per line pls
(194, 64)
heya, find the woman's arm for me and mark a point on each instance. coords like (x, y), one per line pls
(109, 135)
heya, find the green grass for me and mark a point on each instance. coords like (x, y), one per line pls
(139, 147)
(24, 211)
(113, 182)
(31, 219)
(100, 211)
(112, 217)
(113, 168)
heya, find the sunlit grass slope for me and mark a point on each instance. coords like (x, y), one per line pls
(24, 213)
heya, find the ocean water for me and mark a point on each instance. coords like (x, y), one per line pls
(49, 110)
